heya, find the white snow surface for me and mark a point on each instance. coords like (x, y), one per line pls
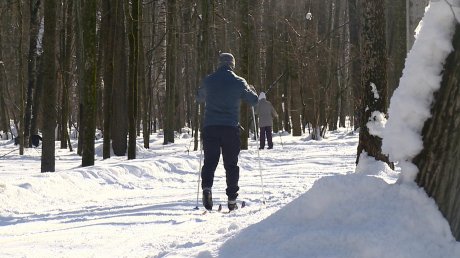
(411, 102)
(316, 205)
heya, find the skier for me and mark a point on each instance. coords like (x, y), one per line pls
(222, 92)
(266, 113)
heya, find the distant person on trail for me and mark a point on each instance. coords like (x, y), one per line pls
(266, 114)
(35, 140)
(222, 92)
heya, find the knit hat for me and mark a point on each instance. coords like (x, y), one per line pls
(262, 95)
(227, 59)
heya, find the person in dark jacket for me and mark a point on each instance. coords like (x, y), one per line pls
(222, 92)
(266, 114)
(35, 139)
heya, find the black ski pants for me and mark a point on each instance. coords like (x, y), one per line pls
(266, 131)
(225, 140)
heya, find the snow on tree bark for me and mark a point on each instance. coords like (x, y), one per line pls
(439, 161)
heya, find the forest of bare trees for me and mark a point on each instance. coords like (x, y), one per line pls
(71, 68)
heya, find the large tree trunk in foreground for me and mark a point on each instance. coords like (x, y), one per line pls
(439, 162)
(373, 81)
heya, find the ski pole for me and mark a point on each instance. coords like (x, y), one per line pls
(7, 153)
(199, 177)
(258, 156)
(275, 82)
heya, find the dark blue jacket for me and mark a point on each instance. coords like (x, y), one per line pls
(222, 92)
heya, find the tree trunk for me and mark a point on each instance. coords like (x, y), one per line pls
(396, 42)
(32, 66)
(50, 87)
(133, 77)
(439, 161)
(21, 80)
(203, 65)
(88, 96)
(373, 77)
(4, 120)
(144, 88)
(170, 72)
(296, 102)
(160, 55)
(37, 98)
(108, 27)
(244, 70)
(323, 30)
(67, 66)
(415, 14)
(119, 127)
(293, 64)
(354, 15)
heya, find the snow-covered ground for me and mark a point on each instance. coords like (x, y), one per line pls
(316, 205)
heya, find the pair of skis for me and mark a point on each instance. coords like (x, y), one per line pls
(243, 204)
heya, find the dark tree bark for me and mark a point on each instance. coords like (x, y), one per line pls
(245, 120)
(439, 161)
(202, 64)
(150, 44)
(37, 108)
(416, 10)
(88, 94)
(160, 56)
(294, 66)
(170, 72)
(50, 87)
(4, 119)
(333, 86)
(109, 7)
(355, 73)
(119, 127)
(296, 102)
(21, 79)
(321, 68)
(66, 73)
(374, 61)
(144, 88)
(133, 77)
(343, 71)
(31, 66)
(396, 42)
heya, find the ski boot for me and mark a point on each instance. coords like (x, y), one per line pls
(232, 205)
(207, 199)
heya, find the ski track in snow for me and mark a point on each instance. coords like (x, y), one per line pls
(87, 211)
